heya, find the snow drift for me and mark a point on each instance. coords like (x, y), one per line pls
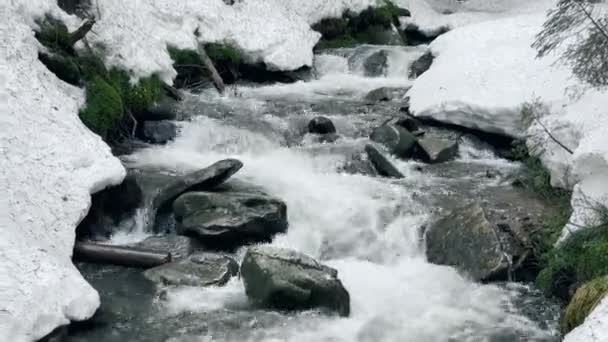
(50, 165)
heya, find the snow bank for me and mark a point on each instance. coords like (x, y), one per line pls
(481, 76)
(431, 16)
(276, 32)
(49, 166)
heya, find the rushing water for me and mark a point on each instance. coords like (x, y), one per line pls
(368, 228)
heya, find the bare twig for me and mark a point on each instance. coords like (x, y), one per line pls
(134, 122)
(552, 136)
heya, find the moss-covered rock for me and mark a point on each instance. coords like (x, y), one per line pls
(65, 67)
(583, 257)
(53, 34)
(374, 25)
(586, 298)
(103, 110)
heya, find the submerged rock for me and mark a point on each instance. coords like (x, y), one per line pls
(204, 269)
(385, 94)
(286, 279)
(321, 125)
(179, 246)
(158, 132)
(435, 150)
(381, 163)
(229, 219)
(376, 64)
(397, 139)
(467, 240)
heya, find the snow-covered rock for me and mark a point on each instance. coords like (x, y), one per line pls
(430, 16)
(50, 165)
(275, 32)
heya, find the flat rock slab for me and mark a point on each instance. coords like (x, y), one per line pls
(382, 165)
(206, 269)
(434, 150)
(229, 219)
(289, 280)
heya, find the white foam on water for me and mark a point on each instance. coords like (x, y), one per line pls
(367, 228)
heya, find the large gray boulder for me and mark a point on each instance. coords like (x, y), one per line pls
(205, 269)
(286, 279)
(434, 150)
(468, 240)
(396, 139)
(382, 165)
(226, 220)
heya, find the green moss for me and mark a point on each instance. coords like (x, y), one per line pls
(220, 53)
(357, 28)
(332, 28)
(53, 34)
(584, 256)
(184, 56)
(137, 97)
(103, 110)
(585, 299)
(340, 42)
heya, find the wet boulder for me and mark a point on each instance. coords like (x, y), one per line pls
(157, 132)
(396, 139)
(205, 269)
(434, 150)
(382, 165)
(289, 280)
(179, 246)
(421, 65)
(468, 240)
(226, 220)
(376, 64)
(321, 125)
(166, 109)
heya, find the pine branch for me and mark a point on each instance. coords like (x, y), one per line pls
(597, 25)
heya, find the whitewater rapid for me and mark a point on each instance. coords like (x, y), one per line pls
(370, 229)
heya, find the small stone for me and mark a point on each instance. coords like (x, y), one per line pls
(321, 125)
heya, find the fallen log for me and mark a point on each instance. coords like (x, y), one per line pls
(119, 255)
(208, 63)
